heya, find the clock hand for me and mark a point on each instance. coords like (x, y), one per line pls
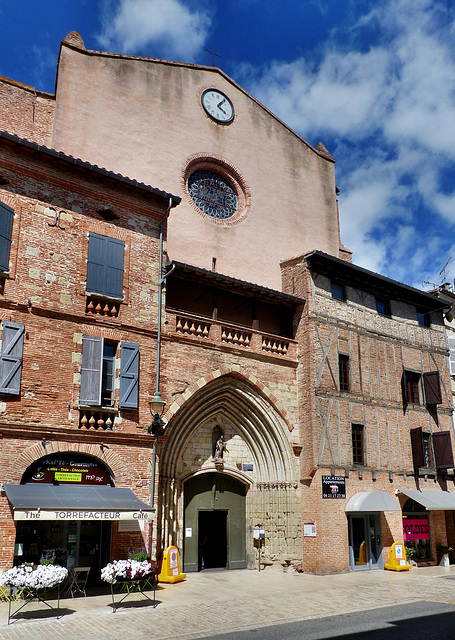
(220, 107)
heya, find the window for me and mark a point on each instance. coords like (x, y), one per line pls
(98, 373)
(212, 194)
(338, 291)
(11, 357)
(451, 340)
(105, 266)
(431, 449)
(423, 318)
(343, 371)
(411, 387)
(358, 457)
(383, 306)
(6, 226)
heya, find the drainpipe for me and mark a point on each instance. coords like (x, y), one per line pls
(161, 280)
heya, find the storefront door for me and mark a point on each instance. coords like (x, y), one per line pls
(365, 543)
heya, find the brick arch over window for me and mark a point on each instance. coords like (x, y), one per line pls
(118, 468)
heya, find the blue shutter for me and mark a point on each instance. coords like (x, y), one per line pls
(91, 370)
(6, 226)
(11, 357)
(105, 266)
(129, 376)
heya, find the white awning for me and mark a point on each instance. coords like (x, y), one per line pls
(76, 502)
(432, 500)
(369, 501)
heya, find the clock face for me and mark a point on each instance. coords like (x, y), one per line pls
(218, 106)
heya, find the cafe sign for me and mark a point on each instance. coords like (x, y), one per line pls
(76, 514)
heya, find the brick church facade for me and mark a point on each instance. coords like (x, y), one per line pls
(226, 288)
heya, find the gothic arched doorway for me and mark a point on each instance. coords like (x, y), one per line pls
(215, 536)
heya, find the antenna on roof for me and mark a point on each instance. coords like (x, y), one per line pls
(443, 271)
(213, 55)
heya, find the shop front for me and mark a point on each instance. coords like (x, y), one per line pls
(66, 510)
(364, 528)
(421, 510)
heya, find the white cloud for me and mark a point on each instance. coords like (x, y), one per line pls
(387, 113)
(171, 27)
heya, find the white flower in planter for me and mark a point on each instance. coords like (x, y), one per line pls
(125, 570)
(34, 576)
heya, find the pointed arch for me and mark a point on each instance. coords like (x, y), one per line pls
(255, 417)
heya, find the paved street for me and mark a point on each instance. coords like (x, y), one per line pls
(212, 603)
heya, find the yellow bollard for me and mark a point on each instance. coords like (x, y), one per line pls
(170, 569)
(397, 558)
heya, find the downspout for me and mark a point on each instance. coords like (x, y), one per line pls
(161, 280)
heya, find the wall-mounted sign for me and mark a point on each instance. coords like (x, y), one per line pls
(69, 468)
(309, 529)
(333, 487)
(247, 467)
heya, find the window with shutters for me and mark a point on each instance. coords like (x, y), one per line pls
(11, 358)
(431, 450)
(105, 268)
(6, 227)
(98, 373)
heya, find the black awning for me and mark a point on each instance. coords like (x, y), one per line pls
(75, 502)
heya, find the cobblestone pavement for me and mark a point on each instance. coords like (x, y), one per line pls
(213, 602)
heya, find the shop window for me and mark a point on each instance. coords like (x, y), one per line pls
(338, 291)
(358, 449)
(431, 450)
(11, 357)
(105, 266)
(383, 306)
(6, 227)
(343, 372)
(98, 373)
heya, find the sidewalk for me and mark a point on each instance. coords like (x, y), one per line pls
(209, 603)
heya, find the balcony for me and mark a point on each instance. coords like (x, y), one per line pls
(221, 333)
(100, 307)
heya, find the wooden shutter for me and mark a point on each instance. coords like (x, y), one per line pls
(418, 455)
(105, 266)
(91, 370)
(452, 355)
(11, 357)
(442, 447)
(432, 387)
(404, 389)
(129, 376)
(6, 226)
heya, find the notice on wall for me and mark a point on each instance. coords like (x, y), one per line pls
(188, 532)
(333, 487)
(129, 525)
(309, 529)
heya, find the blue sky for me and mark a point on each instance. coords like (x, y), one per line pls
(373, 80)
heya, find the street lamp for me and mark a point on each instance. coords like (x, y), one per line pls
(156, 406)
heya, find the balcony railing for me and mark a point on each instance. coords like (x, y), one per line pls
(96, 420)
(99, 307)
(223, 333)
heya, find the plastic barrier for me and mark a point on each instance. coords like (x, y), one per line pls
(397, 558)
(170, 569)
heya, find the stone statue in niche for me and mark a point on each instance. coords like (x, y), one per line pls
(220, 448)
